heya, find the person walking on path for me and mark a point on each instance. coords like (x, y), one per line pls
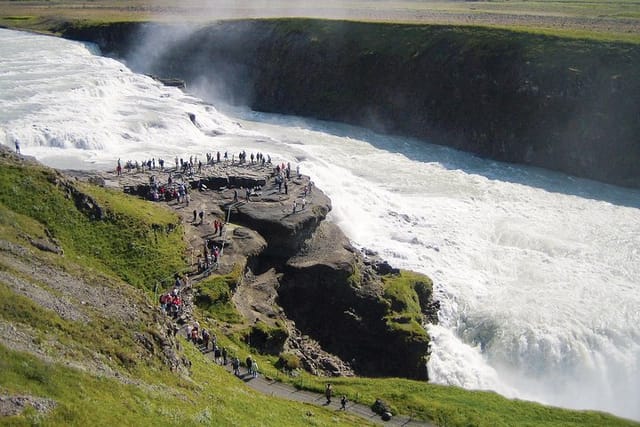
(254, 369)
(343, 403)
(235, 364)
(249, 362)
(327, 393)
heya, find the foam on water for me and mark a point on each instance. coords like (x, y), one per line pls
(536, 271)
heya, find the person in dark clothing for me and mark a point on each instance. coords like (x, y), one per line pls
(249, 362)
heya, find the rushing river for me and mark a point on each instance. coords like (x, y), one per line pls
(538, 273)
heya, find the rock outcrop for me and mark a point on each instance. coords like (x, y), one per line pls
(304, 289)
(274, 218)
(336, 298)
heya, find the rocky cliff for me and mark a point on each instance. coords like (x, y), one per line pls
(299, 285)
(563, 104)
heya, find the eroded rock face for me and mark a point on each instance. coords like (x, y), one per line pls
(273, 216)
(335, 298)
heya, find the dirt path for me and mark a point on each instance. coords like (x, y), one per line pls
(275, 388)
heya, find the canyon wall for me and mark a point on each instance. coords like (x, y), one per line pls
(564, 104)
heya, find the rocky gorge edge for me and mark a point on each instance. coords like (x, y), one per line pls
(304, 289)
(511, 96)
(338, 308)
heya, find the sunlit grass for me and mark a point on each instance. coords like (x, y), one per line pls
(141, 244)
(50, 18)
(211, 396)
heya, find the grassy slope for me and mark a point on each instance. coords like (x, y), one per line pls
(29, 202)
(151, 394)
(98, 244)
(568, 18)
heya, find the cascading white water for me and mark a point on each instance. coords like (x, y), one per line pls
(537, 272)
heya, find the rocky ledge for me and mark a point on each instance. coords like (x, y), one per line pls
(304, 288)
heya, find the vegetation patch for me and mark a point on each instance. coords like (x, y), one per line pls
(265, 338)
(288, 362)
(18, 18)
(405, 293)
(214, 294)
(452, 406)
(141, 244)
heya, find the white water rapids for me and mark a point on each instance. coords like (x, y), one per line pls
(537, 272)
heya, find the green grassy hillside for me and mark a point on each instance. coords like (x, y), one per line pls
(79, 329)
(81, 337)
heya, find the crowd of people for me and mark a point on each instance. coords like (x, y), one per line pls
(210, 255)
(171, 302)
(179, 191)
(207, 342)
(192, 164)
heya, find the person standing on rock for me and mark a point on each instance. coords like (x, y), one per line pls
(17, 146)
(327, 393)
(286, 188)
(205, 255)
(295, 205)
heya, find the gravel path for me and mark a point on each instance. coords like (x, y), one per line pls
(285, 391)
